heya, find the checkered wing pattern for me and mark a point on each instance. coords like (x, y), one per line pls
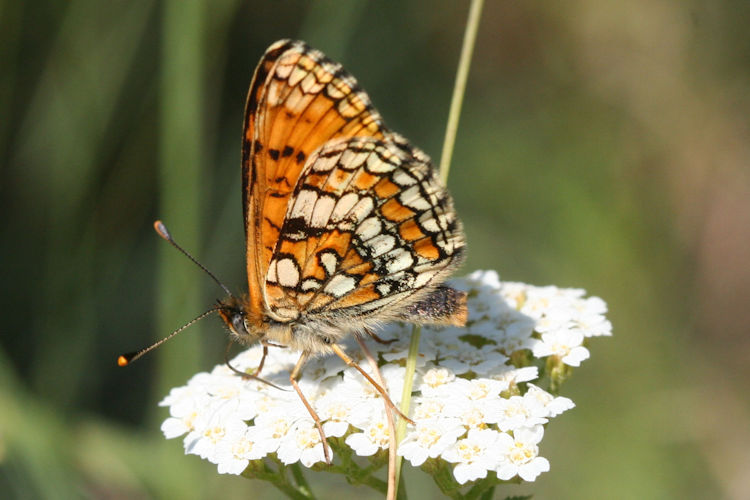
(299, 100)
(368, 227)
(344, 219)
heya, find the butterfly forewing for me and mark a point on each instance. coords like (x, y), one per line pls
(298, 101)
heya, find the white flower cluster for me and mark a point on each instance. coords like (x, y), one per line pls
(467, 405)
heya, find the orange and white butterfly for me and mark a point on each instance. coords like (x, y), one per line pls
(347, 225)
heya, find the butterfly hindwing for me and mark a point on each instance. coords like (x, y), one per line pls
(368, 225)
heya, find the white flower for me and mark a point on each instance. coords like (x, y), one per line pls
(434, 378)
(476, 414)
(475, 402)
(540, 300)
(399, 352)
(474, 455)
(185, 404)
(483, 388)
(188, 394)
(210, 430)
(514, 293)
(488, 278)
(471, 400)
(565, 344)
(376, 436)
(520, 411)
(588, 316)
(444, 344)
(301, 444)
(556, 317)
(282, 418)
(516, 332)
(479, 361)
(240, 445)
(337, 412)
(520, 454)
(176, 426)
(356, 384)
(592, 306)
(594, 327)
(434, 407)
(553, 405)
(429, 439)
(514, 376)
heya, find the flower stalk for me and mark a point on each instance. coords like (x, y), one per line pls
(459, 89)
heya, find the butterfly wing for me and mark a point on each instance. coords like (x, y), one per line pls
(369, 230)
(298, 101)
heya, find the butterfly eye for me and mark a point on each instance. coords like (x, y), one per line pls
(239, 324)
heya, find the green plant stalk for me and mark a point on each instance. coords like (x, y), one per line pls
(259, 469)
(464, 62)
(484, 488)
(353, 472)
(488, 494)
(299, 478)
(411, 367)
(459, 88)
(442, 474)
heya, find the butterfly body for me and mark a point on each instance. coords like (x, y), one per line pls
(316, 334)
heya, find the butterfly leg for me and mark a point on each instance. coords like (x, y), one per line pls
(378, 339)
(293, 379)
(226, 360)
(257, 370)
(253, 376)
(392, 444)
(262, 360)
(350, 362)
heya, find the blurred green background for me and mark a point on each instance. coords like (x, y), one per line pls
(603, 145)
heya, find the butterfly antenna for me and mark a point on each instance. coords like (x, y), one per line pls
(162, 231)
(127, 358)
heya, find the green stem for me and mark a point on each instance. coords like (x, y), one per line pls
(467, 49)
(290, 491)
(259, 469)
(462, 74)
(411, 368)
(401, 489)
(356, 475)
(353, 472)
(480, 489)
(300, 479)
(373, 482)
(443, 476)
(488, 494)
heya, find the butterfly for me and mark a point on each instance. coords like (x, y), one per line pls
(347, 225)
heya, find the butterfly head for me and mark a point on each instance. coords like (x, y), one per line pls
(243, 327)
